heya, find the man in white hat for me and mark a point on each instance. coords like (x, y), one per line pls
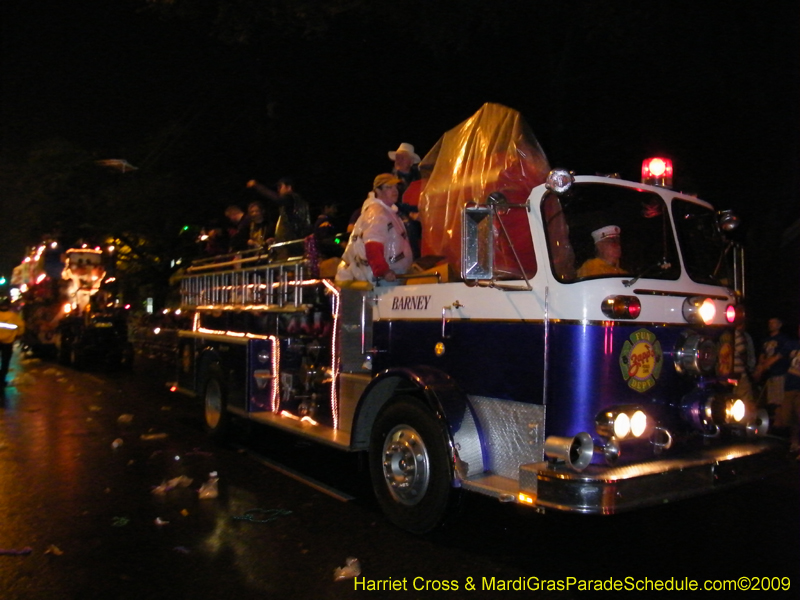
(405, 164)
(406, 169)
(608, 251)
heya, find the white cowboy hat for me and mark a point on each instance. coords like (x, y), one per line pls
(404, 147)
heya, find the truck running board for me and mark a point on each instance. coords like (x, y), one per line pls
(311, 431)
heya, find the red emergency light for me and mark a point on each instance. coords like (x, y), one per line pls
(657, 171)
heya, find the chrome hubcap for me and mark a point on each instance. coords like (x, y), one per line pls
(406, 465)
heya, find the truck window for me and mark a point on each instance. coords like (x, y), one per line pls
(646, 239)
(704, 251)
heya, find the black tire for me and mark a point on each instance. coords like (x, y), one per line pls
(215, 403)
(410, 466)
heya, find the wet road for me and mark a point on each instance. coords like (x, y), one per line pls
(84, 516)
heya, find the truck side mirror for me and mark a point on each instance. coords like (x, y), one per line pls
(477, 243)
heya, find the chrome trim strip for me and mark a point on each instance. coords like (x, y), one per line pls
(646, 292)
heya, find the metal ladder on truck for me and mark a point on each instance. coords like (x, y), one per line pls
(243, 280)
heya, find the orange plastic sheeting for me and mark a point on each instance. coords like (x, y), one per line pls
(492, 151)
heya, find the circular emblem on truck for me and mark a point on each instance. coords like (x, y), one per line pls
(641, 360)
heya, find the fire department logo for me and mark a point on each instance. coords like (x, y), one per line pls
(641, 360)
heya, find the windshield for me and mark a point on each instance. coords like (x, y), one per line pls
(602, 230)
(702, 246)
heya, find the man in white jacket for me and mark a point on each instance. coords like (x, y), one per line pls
(378, 246)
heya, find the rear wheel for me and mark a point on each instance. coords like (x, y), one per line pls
(410, 466)
(215, 401)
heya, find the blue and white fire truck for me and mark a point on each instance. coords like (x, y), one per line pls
(499, 370)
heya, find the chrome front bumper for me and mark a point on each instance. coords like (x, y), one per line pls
(607, 490)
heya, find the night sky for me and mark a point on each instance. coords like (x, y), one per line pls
(229, 92)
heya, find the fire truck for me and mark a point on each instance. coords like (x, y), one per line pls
(503, 368)
(69, 309)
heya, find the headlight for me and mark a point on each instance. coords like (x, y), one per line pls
(622, 426)
(638, 423)
(709, 413)
(622, 422)
(698, 310)
(736, 411)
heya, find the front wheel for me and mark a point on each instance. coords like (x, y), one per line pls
(410, 466)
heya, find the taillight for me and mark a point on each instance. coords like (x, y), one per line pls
(621, 307)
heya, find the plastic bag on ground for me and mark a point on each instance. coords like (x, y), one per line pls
(173, 483)
(351, 568)
(210, 489)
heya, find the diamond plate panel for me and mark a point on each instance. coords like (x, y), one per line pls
(513, 433)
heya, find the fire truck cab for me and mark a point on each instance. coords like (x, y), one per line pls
(506, 369)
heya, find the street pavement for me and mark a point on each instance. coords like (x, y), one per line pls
(96, 502)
